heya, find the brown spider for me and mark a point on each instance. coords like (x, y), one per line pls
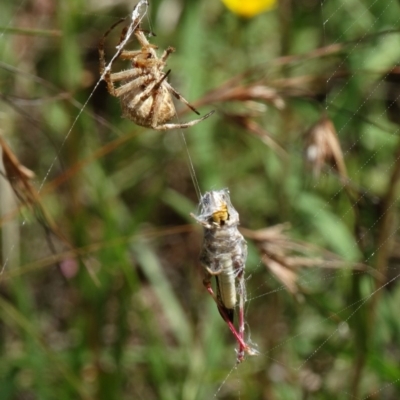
(144, 92)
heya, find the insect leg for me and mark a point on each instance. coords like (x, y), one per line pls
(241, 293)
(239, 339)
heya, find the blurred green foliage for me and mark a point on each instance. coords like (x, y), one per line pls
(129, 318)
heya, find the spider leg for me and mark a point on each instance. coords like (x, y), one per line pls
(127, 87)
(104, 71)
(102, 41)
(129, 54)
(127, 74)
(181, 98)
(148, 91)
(166, 53)
(141, 37)
(167, 127)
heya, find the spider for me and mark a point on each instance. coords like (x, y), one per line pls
(224, 256)
(143, 89)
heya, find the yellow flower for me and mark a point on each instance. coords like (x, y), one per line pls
(249, 8)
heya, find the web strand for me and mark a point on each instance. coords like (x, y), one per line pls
(137, 15)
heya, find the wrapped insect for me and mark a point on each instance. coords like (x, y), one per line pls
(224, 256)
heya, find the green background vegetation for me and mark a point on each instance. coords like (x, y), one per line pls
(125, 315)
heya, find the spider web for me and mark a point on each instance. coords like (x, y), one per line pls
(346, 315)
(138, 13)
(319, 336)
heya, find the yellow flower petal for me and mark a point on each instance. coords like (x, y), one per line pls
(249, 8)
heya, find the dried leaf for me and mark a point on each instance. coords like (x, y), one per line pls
(19, 178)
(260, 132)
(234, 91)
(282, 273)
(284, 256)
(323, 148)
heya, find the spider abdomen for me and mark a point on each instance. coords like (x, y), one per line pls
(141, 111)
